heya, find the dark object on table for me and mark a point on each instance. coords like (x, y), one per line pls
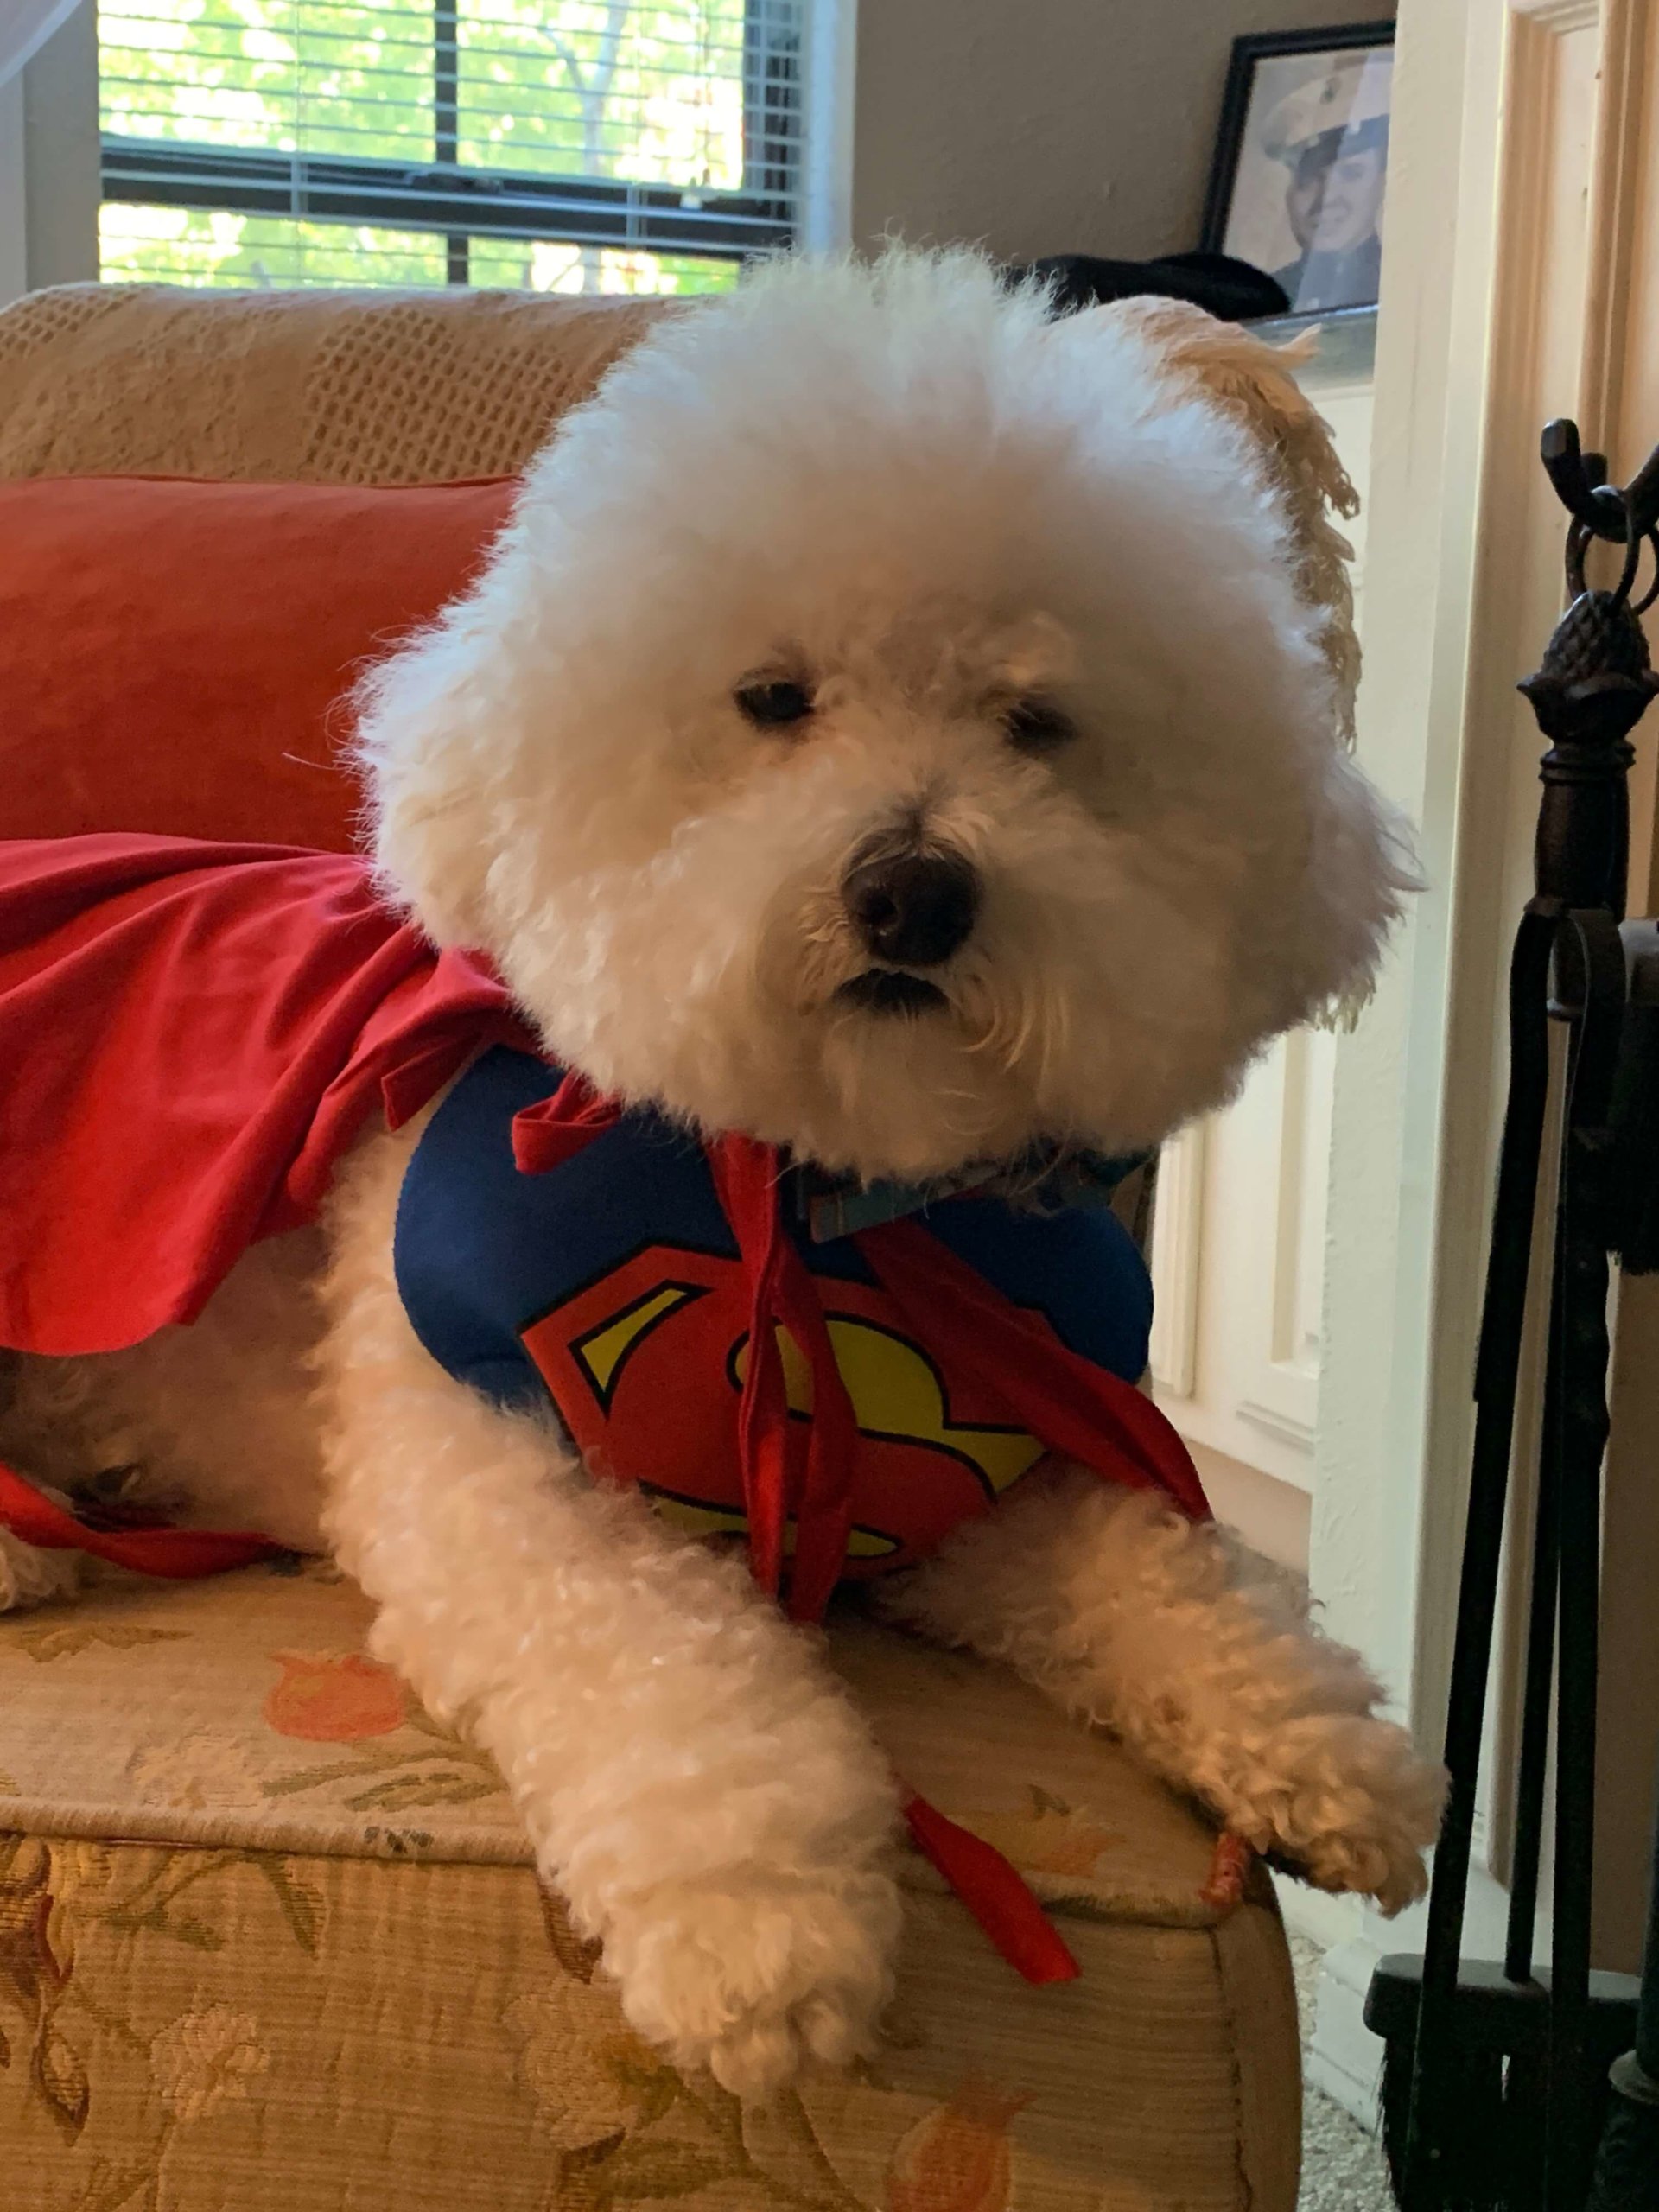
(1301, 162)
(1496, 2084)
(1226, 286)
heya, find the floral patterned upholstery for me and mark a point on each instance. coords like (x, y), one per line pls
(269, 1939)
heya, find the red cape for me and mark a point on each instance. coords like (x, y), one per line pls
(264, 998)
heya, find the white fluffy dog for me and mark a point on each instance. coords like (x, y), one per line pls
(858, 559)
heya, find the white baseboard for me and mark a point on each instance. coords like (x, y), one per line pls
(1344, 2059)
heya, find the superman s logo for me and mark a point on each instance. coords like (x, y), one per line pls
(645, 1368)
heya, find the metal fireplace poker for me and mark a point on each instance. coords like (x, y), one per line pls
(1535, 2087)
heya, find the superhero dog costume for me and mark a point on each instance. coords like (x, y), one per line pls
(195, 1033)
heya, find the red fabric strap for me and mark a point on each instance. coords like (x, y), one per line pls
(178, 1554)
(995, 1891)
(775, 1485)
(744, 1175)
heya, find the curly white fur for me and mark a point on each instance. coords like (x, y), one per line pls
(905, 491)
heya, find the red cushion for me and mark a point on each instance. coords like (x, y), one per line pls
(174, 655)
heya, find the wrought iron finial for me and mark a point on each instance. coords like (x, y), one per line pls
(1581, 485)
(1627, 517)
(1596, 681)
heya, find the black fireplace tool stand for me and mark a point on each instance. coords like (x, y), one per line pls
(1518, 2084)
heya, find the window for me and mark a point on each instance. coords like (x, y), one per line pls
(565, 145)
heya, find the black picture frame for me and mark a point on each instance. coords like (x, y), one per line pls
(1247, 53)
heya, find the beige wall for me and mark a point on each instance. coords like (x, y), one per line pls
(1049, 126)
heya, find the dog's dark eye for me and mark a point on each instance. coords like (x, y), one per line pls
(774, 703)
(1038, 725)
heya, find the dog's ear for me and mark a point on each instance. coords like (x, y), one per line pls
(1254, 385)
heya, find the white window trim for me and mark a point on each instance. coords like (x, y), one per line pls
(49, 163)
(13, 202)
(827, 169)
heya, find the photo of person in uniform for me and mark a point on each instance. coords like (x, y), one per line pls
(1309, 173)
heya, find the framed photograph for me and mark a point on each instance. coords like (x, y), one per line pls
(1302, 162)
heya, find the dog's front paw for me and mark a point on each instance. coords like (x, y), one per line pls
(752, 1976)
(1347, 1799)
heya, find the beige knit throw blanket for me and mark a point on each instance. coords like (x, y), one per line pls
(321, 387)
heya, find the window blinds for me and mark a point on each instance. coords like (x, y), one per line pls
(564, 144)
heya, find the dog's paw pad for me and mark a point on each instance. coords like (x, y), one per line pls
(752, 1982)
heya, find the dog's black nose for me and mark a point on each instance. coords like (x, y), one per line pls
(914, 909)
